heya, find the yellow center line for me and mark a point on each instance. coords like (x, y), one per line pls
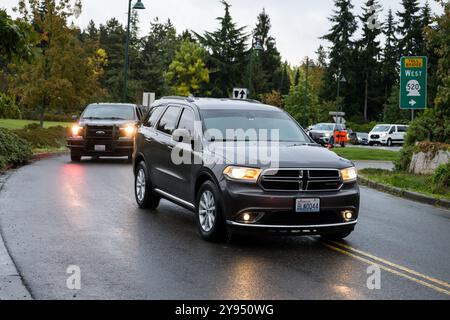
(417, 274)
(398, 273)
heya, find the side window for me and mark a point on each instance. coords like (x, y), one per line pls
(401, 129)
(187, 121)
(392, 130)
(168, 121)
(154, 116)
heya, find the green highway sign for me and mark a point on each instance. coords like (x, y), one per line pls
(413, 83)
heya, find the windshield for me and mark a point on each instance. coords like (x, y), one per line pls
(242, 125)
(381, 128)
(109, 112)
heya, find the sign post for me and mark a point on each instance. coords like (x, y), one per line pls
(413, 83)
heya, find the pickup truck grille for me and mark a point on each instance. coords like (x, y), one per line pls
(100, 132)
(301, 180)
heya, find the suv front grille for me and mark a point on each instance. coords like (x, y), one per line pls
(375, 136)
(301, 180)
(100, 132)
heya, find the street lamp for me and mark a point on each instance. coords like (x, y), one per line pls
(138, 6)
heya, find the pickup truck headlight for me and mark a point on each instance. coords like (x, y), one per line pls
(349, 174)
(242, 173)
(129, 130)
(76, 130)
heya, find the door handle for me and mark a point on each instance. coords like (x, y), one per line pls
(170, 147)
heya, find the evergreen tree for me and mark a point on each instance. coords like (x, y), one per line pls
(390, 55)
(369, 53)
(270, 58)
(227, 55)
(342, 57)
(297, 77)
(321, 57)
(285, 80)
(112, 40)
(410, 30)
(425, 22)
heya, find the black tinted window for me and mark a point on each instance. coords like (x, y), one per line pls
(402, 129)
(154, 116)
(169, 120)
(187, 121)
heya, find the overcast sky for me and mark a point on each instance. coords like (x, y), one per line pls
(296, 24)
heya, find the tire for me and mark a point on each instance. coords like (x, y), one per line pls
(130, 159)
(336, 236)
(389, 143)
(371, 144)
(210, 221)
(74, 157)
(146, 198)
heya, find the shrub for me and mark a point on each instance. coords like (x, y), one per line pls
(441, 177)
(8, 107)
(13, 150)
(53, 137)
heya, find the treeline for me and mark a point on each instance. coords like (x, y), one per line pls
(65, 68)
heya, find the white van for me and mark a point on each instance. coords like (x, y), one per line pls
(388, 134)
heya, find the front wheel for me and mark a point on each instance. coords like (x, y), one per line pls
(210, 221)
(389, 143)
(146, 197)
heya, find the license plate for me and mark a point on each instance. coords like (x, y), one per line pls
(100, 148)
(307, 205)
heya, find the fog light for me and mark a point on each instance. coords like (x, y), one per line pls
(347, 214)
(250, 217)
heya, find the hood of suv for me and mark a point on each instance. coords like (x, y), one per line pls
(289, 156)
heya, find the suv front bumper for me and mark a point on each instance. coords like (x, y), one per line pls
(277, 213)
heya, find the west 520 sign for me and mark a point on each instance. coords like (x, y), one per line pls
(413, 83)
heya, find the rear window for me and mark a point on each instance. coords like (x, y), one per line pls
(109, 112)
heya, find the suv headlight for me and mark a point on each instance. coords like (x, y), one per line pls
(383, 135)
(349, 174)
(242, 173)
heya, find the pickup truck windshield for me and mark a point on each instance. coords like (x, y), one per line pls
(106, 112)
(230, 122)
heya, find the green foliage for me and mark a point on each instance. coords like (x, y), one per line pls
(392, 112)
(16, 39)
(64, 76)
(188, 72)
(227, 50)
(13, 150)
(441, 177)
(406, 181)
(8, 107)
(367, 154)
(361, 126)
(39, 138)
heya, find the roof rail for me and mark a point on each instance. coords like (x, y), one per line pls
(189, 99)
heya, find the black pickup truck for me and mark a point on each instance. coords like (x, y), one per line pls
(105, 129)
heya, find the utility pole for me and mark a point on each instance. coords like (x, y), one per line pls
(306, 90)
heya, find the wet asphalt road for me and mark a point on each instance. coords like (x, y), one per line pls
(54, 214)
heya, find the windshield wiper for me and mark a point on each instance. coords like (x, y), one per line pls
(113, 118)
(92, 118)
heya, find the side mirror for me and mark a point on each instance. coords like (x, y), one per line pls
(182, 135)
(74, 118)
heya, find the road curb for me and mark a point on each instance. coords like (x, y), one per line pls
(12, 286)
(418, 197)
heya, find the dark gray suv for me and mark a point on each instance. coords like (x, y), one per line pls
(242, 165)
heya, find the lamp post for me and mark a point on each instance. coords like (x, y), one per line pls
(339, 78)
(138, 6)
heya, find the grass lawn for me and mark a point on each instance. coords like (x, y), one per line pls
(367, 154)
(19, 124)
(406, 181)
